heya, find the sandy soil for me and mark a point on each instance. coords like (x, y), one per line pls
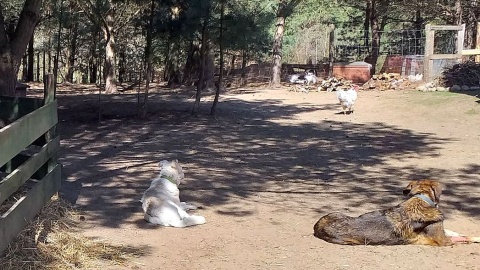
(267, 168)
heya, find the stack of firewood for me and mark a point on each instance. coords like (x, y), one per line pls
(387, 81)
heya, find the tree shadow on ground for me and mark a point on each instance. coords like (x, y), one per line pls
(475, 94)
(250, 148)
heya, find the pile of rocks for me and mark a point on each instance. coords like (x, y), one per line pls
(332, 83)
(388, 81)
(432, 87)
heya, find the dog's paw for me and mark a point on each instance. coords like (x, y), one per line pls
(199, 219)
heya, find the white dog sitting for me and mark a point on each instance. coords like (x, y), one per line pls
(161, 202)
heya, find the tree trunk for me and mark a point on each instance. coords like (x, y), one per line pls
(110, 53)
(190, 71)
(50, 56)
(122, 65)
(220, 76)
(57, 52)
(418, 24)
(44, 62)
(166, 73)
(38, 67)
(458, 12)
(72, 52)
(24, 67)
(92, 61)
(110, 78)
(209, 74)
(232, 64)
(8, 74)
(366, 23)
(148, 58)
(243, 77)
(374, 23)
(172, 69)
(203, 57)
(30, 61)
(12, 47)
(277, 51)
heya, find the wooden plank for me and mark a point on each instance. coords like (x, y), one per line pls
(20, 175)
(49, 97)
(445, 56)
(446, 27)
(477, 44)
(25, 130)
(48, 88)
(460, 41)
(471, 52)
(429, 43)
(16, 218)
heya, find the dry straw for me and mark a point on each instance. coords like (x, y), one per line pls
(52, 241)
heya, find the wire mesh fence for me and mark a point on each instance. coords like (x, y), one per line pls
(400, 51)
(356, 45)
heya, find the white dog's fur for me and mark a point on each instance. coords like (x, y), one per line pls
(161, 202)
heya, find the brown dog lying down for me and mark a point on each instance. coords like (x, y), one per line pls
(414, 221)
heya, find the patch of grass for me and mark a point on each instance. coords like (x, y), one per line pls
(435, 98)
(472, 111)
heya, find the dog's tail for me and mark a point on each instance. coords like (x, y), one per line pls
(189, 221)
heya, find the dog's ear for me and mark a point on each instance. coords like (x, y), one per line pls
(163, 163)
(437, 188)
(408, 188)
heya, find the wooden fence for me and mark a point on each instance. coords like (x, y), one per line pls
(29, 172)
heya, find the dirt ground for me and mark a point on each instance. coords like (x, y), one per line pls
(266, 169)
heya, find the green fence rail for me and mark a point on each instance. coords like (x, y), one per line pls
(29, 170)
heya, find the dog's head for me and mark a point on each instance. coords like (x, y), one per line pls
(430, 188)
(172, 170)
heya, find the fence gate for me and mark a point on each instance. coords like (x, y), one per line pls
(430, 55)
(29, 172)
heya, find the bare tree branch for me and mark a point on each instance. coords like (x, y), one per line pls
(92, 13)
